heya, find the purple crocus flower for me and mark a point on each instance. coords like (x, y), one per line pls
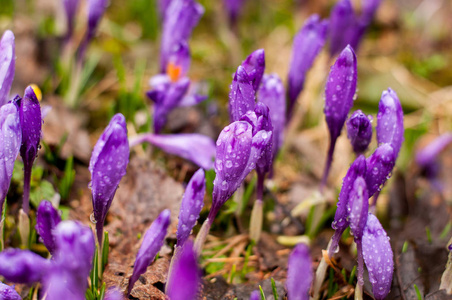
(108, 165)
(180, 19)
(184, 278)
(342, 26)
(191, 206)
(255, 295)
(390, 121)
(47, 219)
(152, 242)
(8, 292)
(162, 6)
(299, 274)
(340, 223)
(70, 9)
(10, 141)
(197, 148)
(272, 94)
(357, 207)
(114, 294)
(22, 266)
(241, 94)
(7, 65)
(379, 167)
(359, 131)
(378, 257)
(254, 66)
(59, 284)
(31, 123)
(233, 9)
(339, 95)
(306, 46)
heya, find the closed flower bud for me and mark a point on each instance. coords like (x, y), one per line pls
(47, 219)
(8, 292)
(299, 274)
(359, 131)
(7, 65)
(427, 158)
(254, 66)
(241, 94)
(379, 167)
(70, 10)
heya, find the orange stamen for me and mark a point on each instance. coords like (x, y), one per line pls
(174, 71)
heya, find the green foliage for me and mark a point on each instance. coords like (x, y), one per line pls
(275, 292)
(262, 293)
(65, 184)
(418, 293)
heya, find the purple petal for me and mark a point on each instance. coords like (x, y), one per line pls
(74, 252)
(254, 66)
(192, 99)
(378, 257)
(61, 284)
(369, 9)
(272, 94)
(340, 91)
(7, 65)
(70, 9)
(198, 148)
(8, 292)
(390, 121)
(22, 266)
(359, 131)
(233, 9)
(185, 275)
(427, 158)
(299, 274)
(357, 207)
(180, 19)
(108, 165)
(241, 95)
(114, 294)
(178, 61)
(47, 219)
(96, 9)
(10, 141)
(255, 295)
(340, 223)
(191, 206)
(31, 123)
(306, 46)
(379, 168)
(152, 242)
(342, 26)
(162, 7)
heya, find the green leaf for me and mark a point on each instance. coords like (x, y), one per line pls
(262, 293)
(42, 191)
(105, 251)
(65, 184)
(275, 292)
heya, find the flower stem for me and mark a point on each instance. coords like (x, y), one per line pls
(329, 160)
(27, 181)
(320, 275)
(202, 236)
(256, 219)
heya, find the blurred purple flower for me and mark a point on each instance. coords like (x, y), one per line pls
(241, 94)
(306, 46)
(272, 94)
(359, 131)
(47, 219)
(7, 65)
(180, 18)
(31, 123)
(255, 295)
(340, 223)
(185, 276)
(379, 167)
(59, 284)
(114, 294)
(8, 292)
(108, 165)
(96, 9)
(10, 142)
(378, 257)
(152, 242)
(22, 266)
(299, 274)
(191, 206)
(162, 6)
(233, 9)
(390, 121)
(197, 148)
(369, 9)
(254, 66)
(339, 95)
(70, 9)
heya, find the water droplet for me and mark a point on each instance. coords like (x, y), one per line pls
(92, 218)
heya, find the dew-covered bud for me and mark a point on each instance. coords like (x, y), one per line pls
(299, 274)
(7, 65)
(379, 167)
(22, 266)
(47, 219)
(241, 95)
(8, 292)
(359, 131)
(254, 66)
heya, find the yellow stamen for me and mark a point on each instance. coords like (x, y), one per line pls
(37, 91)
(174, 71)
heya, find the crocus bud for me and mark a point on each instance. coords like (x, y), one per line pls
(233, 9)
(359, 131)
(390, 121)
(255, 295)
(191, 206)
(238, 151)
(108, 165)
(31, 123)
(74, 252)
(184, 280)
(299, 274)
(272, 94)
(10, 141)
(152, 242)
(378, 257)
(198, 148)
(342, 26)
(254, 66)
(306, 46)
(339, 95)
(340, 223)
(7, 65)
(369, 9)
(22, 266)
(241, 94)
(8, 292)
(96, 9)
(47, 220)
(379, 167)
(180, 19)
(70, 9)
(427, 158)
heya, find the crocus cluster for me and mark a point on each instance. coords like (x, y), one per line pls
(108, 165)
(170, 88)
